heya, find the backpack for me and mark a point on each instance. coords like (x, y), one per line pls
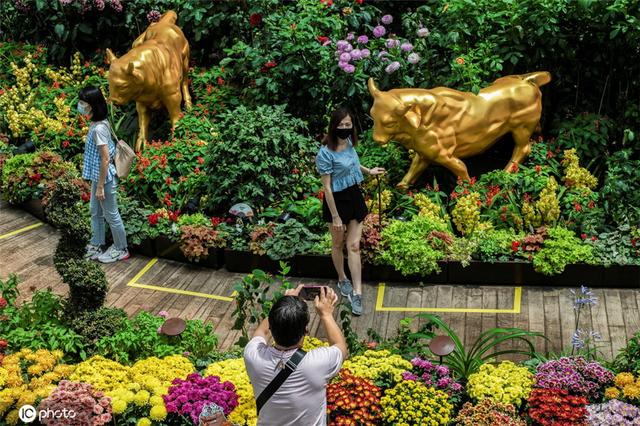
(124, 156)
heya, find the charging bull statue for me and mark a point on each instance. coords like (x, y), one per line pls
(443, 126)
(153, 73)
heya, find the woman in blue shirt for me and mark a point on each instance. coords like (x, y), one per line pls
(98, 167)
(344, 206)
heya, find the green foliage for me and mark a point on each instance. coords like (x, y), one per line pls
(38, 323)
(628, 359)
(139, 338)
(25, 175)
(87, 284)
(561, 248)
(495, 245)
(390, 156)
(256, 294)
(94, 325)
(465, 361)
(288, 239)
(618, 247)
(134, 215)
(406, 342)
(195, 219)
(255, 157)
(354, 344)
(66, 211)
(416, 246)
(620, 193)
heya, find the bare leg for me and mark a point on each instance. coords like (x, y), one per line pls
(418, 165)
(522, 148)
(143, 124)
(337, 239)
(354, 233)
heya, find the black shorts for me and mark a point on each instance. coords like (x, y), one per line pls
(349, 203)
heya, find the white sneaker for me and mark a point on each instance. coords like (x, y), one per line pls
(113, 254)
(93, 252)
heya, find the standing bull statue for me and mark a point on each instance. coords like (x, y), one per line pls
(153, 73)
(443, 125)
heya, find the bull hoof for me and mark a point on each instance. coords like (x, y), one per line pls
(402, 186)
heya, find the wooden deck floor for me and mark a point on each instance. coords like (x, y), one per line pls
(192, 292)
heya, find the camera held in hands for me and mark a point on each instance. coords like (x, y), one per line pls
(309, 292)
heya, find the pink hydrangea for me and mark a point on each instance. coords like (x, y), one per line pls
(387, 19)
(392, 67)
(363, 39)
(379, 31)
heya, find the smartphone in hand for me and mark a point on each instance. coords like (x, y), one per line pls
(309, 292)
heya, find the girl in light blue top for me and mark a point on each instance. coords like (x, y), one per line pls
(344, 207)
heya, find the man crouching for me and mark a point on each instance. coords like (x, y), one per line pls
(289, 384)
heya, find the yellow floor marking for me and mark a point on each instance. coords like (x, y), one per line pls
(134, 283)
(517, 298)
(18, 231)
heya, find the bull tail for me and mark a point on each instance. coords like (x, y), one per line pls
(539, 78)
(169, 17)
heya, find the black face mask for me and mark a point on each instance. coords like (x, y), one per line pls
(343, 133)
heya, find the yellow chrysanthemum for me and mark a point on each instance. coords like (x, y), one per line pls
(612, 393)
(631, 391)
(234, 371)
(624, 379)
(143, 421)
(378, 365)
(119, 406)
(311, 343)
(158, 412)
(141, 398)
(156, 400)
(507, 383)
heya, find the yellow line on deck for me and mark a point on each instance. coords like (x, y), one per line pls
(134, 283)
(517, 298)
(18, 231)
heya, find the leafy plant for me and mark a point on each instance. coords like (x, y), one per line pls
(465, 361)
(140, 337)
(94, 325)
(196, 240)
(495, 244)
(87, 284)
(354, 343)
(561, 248)
(135, 217)
(406, 342)
(288, 239)
(255, 157)
(256, 294)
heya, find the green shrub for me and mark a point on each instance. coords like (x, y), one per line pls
(87, 284)
(135, 218)
(560, 249)
(628, 359)
(139, 338)
(256, 157)
(416, 246)
(94, 325)
(495, 244)
(288, 239)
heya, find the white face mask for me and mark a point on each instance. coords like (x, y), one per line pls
(84, 108)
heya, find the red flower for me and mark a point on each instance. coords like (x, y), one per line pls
(167, 200)
(359, 1)
(550, 154)
(153, 219)
(577, 207)
(320, 195)
(633, 242)
(3, 302)
(538, 169)
(55, 85)
(472, 181)
(515, 245)
(514, 167)
(196, 170)
(209, 89)
(322, 39)
(591, 204)
(200, 160)
(295, 171)
(174, 215)
(70, 132)
(583, 236)
(86, 197)
(503, 217)
(255, 19)
(168, 181)
(267, 66)
(220, 81)
(594, 238)
(215, 221)
(3, 344)
(36, 177)
(65, 144)
(327, 3)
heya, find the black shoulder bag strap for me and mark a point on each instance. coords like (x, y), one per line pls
(277, 381)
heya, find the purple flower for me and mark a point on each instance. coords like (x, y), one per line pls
(391, 43)
(613, 413)
(163, 314)
(382, 54)
(406, 47)
(409, 376)
(443, 382)
(342, 64)
(387, 19)
(413, 58)
(379, 31)
(574, 374)
(345, 57)
(341, 45)
(65, 2)
(350, 36)
(442, 370)
(456, 387)
(349, 69)
(356, 54)
(422, 32)
(363, 39)
(99, 4)
(365, 53)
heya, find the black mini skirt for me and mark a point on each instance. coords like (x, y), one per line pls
(350, 204)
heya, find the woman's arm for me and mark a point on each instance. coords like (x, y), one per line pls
(331, 203)
(364, 170)
(104, 166)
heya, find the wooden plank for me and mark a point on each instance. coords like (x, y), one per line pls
(568, 318)
(473, 326)
(457, 320)
(552, 325)
(630, 309)
(397, 297)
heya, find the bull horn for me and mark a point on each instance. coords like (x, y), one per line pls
(372, 88)
(130, 68)
(110, 56)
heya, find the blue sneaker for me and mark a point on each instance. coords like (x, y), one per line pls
(356, 304)
(346, 289)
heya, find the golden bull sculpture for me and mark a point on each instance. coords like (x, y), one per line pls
(443, 126)
(154, 73)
